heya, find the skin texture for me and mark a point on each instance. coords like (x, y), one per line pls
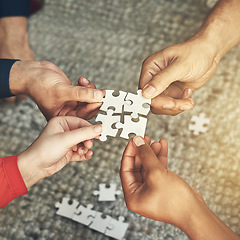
(153, 191)
(63, 140)
(170, 76)
(52, 91)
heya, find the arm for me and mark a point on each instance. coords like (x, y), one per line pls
(63, 140)
(172, 74)
(152, 190)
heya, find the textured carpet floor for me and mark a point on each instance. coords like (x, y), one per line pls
(106, 41)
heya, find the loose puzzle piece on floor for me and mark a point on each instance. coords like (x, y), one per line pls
(107, 124)
(84, 215)
(93, 219)
(129, 126)
(100, 223)
(118, 228)
(124, 103)
(199, 124)
(66, 208)
(107, 193)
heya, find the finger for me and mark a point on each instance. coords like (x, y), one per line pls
(88, 110)
(69, 92)
(156, 147)
(147, 155)
(166, 105)
(163, 154)
(162, 80)
(71, 138)
(82, 81)
(88, 144)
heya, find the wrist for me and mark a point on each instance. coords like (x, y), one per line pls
(31, 174)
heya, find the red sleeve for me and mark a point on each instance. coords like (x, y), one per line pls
(11, 182)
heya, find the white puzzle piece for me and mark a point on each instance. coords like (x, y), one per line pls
(117, 228)
(129, 126)
(107, 124)
(107, 193)
(138, 103)
(199, 124)
(116, 102)
(84, 215)
(66, 208)
(99, 223)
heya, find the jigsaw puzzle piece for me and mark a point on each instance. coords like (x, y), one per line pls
(84, 215)
(107, 124)
(116, 102)
(137, 105)
(117, 228)
(199, 124)
(130, 126)
(107, 193)
(99, 223)
(66, 208)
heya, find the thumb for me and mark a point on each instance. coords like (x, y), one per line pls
(74, 137)
(162, 80)
(81, 94)
(146, 154)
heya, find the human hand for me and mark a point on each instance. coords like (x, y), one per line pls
(150, 189)
(64, 139)
(171, 75)
(153, 191)
(53, 92)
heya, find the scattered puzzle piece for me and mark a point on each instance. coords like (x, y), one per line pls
(99, 223)
(107, 193)
(137, 105)
(107, 123)
(199, 124)
(83, 214)
(130, 126)
(116, 102)
(66, 208)
(117, 228)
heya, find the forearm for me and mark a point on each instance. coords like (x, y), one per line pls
(203, 224)
(221, 28)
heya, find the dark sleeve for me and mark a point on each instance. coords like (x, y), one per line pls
(10, 8)
(5, 67)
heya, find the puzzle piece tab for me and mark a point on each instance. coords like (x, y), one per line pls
(99, 223)
(107, 124)
(199, 124)
(130, 126)
(84, 215)
(66, 208)
(107, 193)
(117, 228)
(137, 105)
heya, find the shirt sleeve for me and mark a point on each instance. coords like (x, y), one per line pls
(5, 67)
(13, 8)
(11, 182)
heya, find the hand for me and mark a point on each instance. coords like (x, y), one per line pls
(150, 189)
(64, 139)
(171, 75)
(53, 92)
(153, 191)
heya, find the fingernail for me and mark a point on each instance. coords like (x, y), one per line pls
(168, 106)
(185, 107)
(97, 128)
(138, 141)
(98, 94)
(192, 101)
(188, 93)
(85, 81)
(148, 91)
